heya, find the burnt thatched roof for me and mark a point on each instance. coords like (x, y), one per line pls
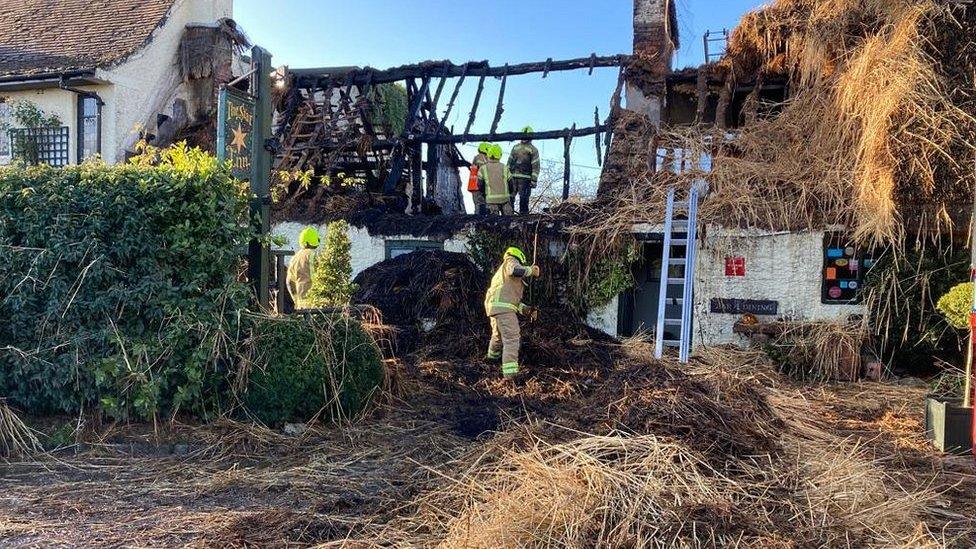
(46, 37)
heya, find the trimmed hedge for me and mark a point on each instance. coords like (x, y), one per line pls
(302, 366)
(120, 285)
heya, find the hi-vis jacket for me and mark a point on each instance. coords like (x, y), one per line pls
(505, 293)
(480, 160)
(494, 178)
(300, 275)
(523, 162)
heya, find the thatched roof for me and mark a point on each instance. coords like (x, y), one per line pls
(46, 37)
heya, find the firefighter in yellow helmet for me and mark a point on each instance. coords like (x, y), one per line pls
(474, 187)
(524, 164)
(494, 180)
(301, 265)
(503, 304)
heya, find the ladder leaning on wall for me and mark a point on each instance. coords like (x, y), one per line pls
(680, 251)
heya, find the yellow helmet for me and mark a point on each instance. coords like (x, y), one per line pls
(495, 152)
(484, 147)
(527, 129)
(516, 253)
(309, 238)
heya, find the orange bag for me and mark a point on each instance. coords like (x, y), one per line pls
(473, 179)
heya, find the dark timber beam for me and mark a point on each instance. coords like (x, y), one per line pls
(567, 143)
(474, 107)
(518, 136)
(454, 95)
(415, 98)
(500, 106)
(310, 77)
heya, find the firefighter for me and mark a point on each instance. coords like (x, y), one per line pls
(301, 265)
(477, 195)
(523, 163)
(503, 302)
(494, 180)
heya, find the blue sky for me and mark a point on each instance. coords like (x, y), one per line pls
(387, 33)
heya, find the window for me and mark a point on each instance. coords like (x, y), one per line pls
(5, 121)
(844, 267)
(396, 248)
(89, 127)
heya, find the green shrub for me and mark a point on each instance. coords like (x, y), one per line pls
(956, 304)
(332, 272)
(303, 365)
(120, 285)
(486, 249)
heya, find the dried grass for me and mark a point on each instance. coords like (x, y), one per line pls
(869, 124)
(822, 351)
(403, 479)
(16, 438)
(645, 491)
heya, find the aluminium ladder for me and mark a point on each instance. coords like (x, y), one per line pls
(673, 312)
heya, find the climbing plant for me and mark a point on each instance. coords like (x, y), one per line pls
(389, 107)
(27, 115)
(903, 291)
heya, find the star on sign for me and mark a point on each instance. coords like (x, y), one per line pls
(239, 139)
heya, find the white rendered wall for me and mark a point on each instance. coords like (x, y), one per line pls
(604, 318)
(366, 250)
(782, 267)
(55, 101)
(148, 80)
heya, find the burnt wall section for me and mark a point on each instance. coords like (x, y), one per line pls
(655, 41)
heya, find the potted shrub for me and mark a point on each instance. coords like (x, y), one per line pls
(948, 416)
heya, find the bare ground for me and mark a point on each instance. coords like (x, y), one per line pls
(232, 484)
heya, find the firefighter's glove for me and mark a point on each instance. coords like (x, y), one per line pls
(530, 313)
(534, 271)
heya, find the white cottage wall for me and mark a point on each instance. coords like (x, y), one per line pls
(366, 250)
(784, 267)
(146, 83)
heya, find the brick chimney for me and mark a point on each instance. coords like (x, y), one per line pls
(655, 39)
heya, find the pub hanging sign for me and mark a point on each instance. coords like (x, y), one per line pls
(235, 124)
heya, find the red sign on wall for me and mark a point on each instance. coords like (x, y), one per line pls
(735, 266)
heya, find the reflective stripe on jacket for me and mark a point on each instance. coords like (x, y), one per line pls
(300, 275)
(524, 161)
(507, 285)
(494, 177)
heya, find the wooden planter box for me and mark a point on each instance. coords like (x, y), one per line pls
(948, 425)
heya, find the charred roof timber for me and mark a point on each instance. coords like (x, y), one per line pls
(335, 76)
(322, 122)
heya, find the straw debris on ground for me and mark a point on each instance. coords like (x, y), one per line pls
(593, 444)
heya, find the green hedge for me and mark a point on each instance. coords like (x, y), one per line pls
(119, 285)
(301, 366)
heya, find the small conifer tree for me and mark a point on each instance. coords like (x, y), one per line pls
(332, 271)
